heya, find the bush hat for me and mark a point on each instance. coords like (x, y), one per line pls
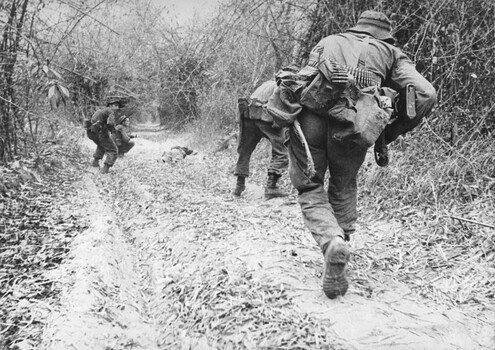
(375, 24)
(121, 119)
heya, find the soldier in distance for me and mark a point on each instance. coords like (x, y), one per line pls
(122, 135)
(100, 127)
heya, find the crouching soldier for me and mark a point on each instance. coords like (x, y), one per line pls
(101, 125)
(255, 123)
(122, 136)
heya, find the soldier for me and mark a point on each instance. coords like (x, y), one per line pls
(330, 214)
(122, 136)
(102, 124)
(254, 124)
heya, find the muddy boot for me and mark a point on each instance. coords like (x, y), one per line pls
(96, 163)
(240, 186)
(272, 190)
(105, 169)
(336, 259)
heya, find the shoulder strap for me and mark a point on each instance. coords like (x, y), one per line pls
(364, 52)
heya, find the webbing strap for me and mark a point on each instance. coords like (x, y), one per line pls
(364, 52)
(363, 76)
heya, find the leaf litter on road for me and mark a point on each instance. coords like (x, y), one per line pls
(216, 272)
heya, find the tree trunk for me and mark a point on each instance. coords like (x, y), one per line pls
(8, 57)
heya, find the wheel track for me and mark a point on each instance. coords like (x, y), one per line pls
(209, 270)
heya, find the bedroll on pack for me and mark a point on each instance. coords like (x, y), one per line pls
(284, 105)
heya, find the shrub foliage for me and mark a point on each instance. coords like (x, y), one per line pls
(60, 68)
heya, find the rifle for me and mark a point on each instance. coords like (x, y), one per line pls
(404, 107)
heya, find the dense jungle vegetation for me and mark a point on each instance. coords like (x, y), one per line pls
(60, 60)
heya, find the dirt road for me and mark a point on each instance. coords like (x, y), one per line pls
(170, 260)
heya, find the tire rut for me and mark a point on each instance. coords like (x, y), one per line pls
(211, 272)
(102, 303)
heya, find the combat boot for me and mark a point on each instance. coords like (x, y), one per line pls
(96, 163)
(240, 186)
(272, 190)
(336, 258)
(381, 152)
(105, 169)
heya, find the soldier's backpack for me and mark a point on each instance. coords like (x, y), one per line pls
(359, 115)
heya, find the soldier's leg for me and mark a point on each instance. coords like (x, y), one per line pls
(126, 147)
(248, 140)
(344, 163)
(317, 212)
(111, 150)
(280, 156)
(99, 152)
(279, 160)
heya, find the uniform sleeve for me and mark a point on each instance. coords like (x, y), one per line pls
(315, 54)
(404, 73)
(124, 134)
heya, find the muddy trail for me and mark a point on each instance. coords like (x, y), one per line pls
(170, 260)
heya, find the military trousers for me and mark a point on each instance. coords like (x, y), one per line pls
(332, 212)
(125, 147)
(251, 133)
(104, 145)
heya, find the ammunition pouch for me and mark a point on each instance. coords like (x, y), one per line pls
(256, 109)
(321, 94)
(359, 117)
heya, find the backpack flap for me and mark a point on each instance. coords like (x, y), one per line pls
(363, 122)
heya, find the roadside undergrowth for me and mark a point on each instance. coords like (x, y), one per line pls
(442, 197)
(35, 236)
